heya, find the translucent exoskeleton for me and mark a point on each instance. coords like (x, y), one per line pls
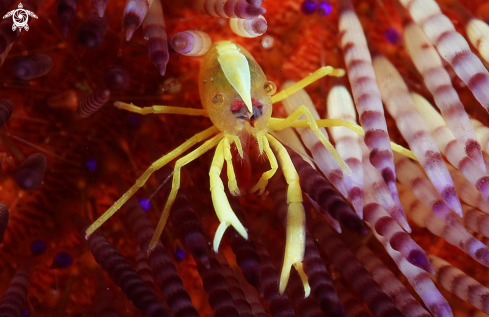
(237, 97)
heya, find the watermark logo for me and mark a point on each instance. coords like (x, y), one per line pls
(20, 17)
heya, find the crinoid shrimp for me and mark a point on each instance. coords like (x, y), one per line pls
(237, 97)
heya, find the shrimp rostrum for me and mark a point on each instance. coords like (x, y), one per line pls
(237, 97)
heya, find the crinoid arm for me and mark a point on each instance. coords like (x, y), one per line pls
(175, 185)
(223, 209)
(302, 110)
(327, 123)
(323, 71)
(161, 109)
(296, 219)
(154, 167)
(265, 146)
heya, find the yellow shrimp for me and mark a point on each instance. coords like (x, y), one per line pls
(238, 99)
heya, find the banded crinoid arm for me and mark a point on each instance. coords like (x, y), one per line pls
(385, 226)
(412, 176)
(449, 228)
(375, 184)
(155, 35)
(478, 34)
(14, 299)
(422, 284)
(66, 13)
(249, 28)
(366, 94)
(476, 220)
(121, 272)
(191, 42)
(482, 133)
(32, 66)
(143, 269)
(93, 102)
(134, 13)
(220, 298)
(323, 158)
(452, 148)
(4, 218)
(391, 285)
(159, 261)
(438, 81)
(467, 192)
(325, 195)
(6, 109)
(353, 271)
(92, 30)
(228, 9)
(414, 129)
(353, 306)
(451, 46)
(99, 6)
(347, 143)
(457, 282)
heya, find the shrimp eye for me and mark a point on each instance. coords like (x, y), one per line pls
(270, 87)
(218, 99)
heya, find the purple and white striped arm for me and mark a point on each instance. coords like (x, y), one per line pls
(414, 129)
(466, 191)
(457, 282)
(375, 184)
(478, 34)
(366, 94)
(413, 177)
(229, 9)
(439, 83)
(191, 43)
(451, 46)
(384, 225)
(155, 34)
(347, 143)
(452, 148)
(482, 133)
(476, 220)
(450, 228)
(391, 285)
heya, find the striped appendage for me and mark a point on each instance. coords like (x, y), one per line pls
(375, 184)
(467, 192)
(347, 143)
(155, 34)
(366, 94)
(390, 284)
(280, 305)
(460, 284)
(321, 191)
(452, 148)
(413, 128)
(143, 269)
(4, 217)
(30, 174)
(451, 46)
(191, 43)
(239, 298)
(99, 6)
(439, 83)
(13, 300)
(93, 102)
(32, 66)
(304, 306)
(6, 108)
(353, 306)
(353, 271)
(476, 220)
(228, 9)
(92, 30)
(385, 226)
(220, 298)
(482, 133)
(121, 272)
(66, 13)
(412, 176)
(422, 284)
(249, 28)
(134, 13)
(478, 34)
(159, 261)
(449, 228)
